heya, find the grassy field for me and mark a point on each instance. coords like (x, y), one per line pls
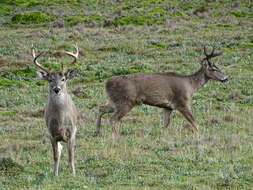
(121, 37)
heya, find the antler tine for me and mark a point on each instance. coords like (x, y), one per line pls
(212, 51)
(211, 55)
(74, 55)
(205, 52)
(36, 62)
(206, 58)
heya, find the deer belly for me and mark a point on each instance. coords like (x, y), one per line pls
(158, 102)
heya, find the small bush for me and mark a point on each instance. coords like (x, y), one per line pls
(238, 13)
(8, 166)
(30, 18)
(8, 113)
(138, 20)
(4, 82)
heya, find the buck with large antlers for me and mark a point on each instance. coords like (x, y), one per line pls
(60, 112)
(166, 90)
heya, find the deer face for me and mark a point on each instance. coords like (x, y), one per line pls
(213, 72)
(57, 80)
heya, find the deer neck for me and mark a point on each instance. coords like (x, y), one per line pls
(198, 79)
(58, 101)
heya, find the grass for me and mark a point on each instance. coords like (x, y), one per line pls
(143, 155)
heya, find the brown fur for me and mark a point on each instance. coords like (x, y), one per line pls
(169, 91)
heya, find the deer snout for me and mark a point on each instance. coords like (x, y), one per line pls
(56, 90)
(225, 79)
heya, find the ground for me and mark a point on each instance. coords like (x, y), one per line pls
(121, 37)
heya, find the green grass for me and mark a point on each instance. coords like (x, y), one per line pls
(122, 37)
(30, 18)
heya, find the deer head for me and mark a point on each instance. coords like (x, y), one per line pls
(211, 70)
(57, 80)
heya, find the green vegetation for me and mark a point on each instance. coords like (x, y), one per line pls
(30, 18)
(73, 20)
(123, 37)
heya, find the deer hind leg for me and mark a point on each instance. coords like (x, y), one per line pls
(166, 117)
(102, 110)
(71, 151)
(188, 115)
(57, 148)
(121, 111)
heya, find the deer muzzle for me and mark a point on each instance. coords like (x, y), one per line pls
(56, 89)
(225, 79)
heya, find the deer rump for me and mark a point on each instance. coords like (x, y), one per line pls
(164, 90)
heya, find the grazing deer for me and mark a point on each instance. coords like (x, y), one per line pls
(60, 112)
(166, 90)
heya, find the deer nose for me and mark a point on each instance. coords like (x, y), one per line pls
(225, 79)
(56, 90)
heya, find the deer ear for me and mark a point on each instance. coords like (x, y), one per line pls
(71, 73)
(42, 75)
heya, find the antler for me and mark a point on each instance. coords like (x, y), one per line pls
(36, 62)
(55, 54)
(211, 55)
(74, 55)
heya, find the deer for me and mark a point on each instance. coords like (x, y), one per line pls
(60, 112)
(167, 90)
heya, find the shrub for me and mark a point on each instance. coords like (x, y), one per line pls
(34, 17)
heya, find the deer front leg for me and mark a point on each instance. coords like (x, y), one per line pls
(57, 147)
(102, 110)
(121, 111)
(188, 115)
(71, 151)
(166, 117)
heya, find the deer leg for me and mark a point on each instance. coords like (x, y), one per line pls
(188, 115)
(120, 112)
(57, 147)
(71, 151)
(102, 110)
(166, 117)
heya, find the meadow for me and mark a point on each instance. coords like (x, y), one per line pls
(122, 37)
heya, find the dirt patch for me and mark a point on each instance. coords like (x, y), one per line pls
(34, 113)
(235, 95)
(202, 12)
(234, 141)
(147, 147)
(213, 121)
(7, 150)
(3, 62)
(202, 140)
(222, 107)
(131, 119)
(229, 118)
(79, 92)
